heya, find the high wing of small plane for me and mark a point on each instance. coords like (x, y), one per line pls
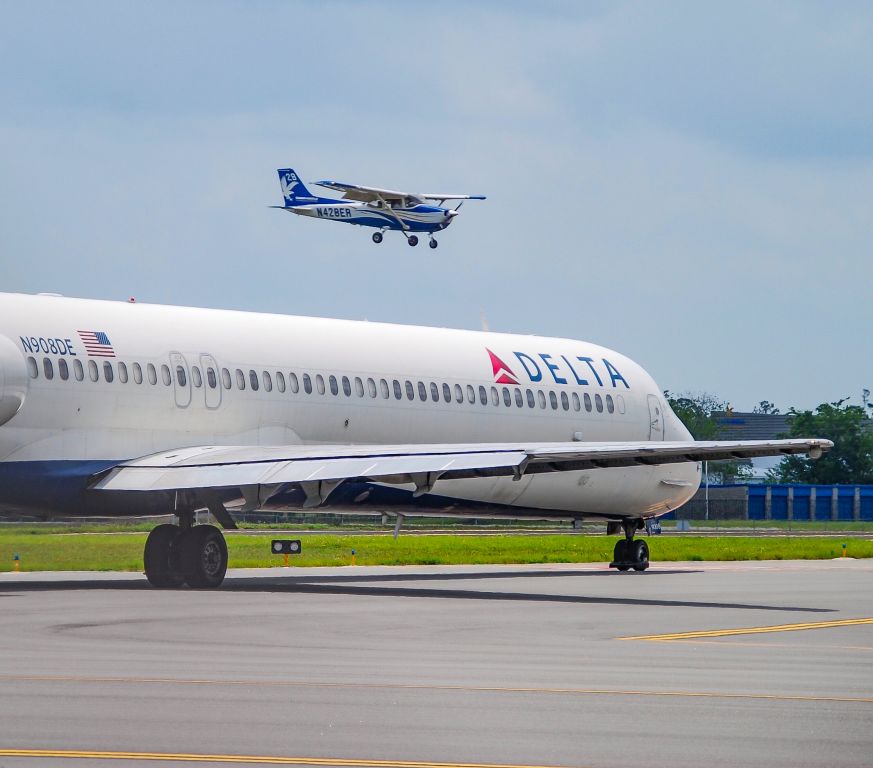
(382, 209)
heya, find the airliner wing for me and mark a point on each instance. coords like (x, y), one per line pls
(319, 469)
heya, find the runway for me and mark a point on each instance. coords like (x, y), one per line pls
(721, 664)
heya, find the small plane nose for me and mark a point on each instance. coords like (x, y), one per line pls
(450, 213)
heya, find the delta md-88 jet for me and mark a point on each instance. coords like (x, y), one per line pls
(120, 408)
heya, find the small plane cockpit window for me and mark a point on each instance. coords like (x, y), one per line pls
(181, 378)
(471, 394)
(587, 400)
(93, 373)
(495, 396)
(319, 383)
(575, 400)
(434, 392)
(240, 380)
(32, 367)
(519, 399)
(253, 379)
(422, 391)
(292, 380)
(347, 386)
(152, 374)
(410, 390)
(483, 395)
(359, 387)
(541, 397)
(383, 388)
(334, 387)
(610, 405)
(166, 377)
(63, 369)
(307, 384)
(598, 403)
(48, 368)
(371, 387)
(447, 393)
(397, 392)
(108, 373)
(565, 401)
(553, 400)
(280, 381)
(507, 398)
(531, 403)
(268, 381)
(78, 370)
(137, 373)
(211, 378)
(196, 377)
(122, 373)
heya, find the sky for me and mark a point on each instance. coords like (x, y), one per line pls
(688, 183)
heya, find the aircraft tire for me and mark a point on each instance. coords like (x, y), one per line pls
(620, 555)
(433, 243)
(160, 557)
(377, 237)
(203, 552)
(413, 240)
(640, 552)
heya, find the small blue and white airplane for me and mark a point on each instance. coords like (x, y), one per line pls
(372, 207)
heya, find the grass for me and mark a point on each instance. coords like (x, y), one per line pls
(53, 551)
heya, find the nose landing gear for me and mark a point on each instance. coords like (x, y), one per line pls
(432, 242)
(629, 553)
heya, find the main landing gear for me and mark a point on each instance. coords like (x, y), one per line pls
(377, 237)
(629, 553)
(195, 555)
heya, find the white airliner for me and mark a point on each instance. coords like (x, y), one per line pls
(119, 408)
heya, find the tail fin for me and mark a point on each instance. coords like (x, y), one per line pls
(292, 188)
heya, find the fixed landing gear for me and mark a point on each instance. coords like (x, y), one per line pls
(412, 240)
(432, 242)
(194, 555)
(377, 237)
(629, 553)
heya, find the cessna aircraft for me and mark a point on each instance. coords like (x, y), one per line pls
(119, 408)
(372, 207)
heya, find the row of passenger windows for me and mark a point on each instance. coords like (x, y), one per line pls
(419, 390)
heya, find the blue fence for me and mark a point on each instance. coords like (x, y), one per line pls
(811, 502)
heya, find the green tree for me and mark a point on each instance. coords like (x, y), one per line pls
(850, 461)
(695, 412)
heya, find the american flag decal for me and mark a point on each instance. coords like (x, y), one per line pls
(96, 343)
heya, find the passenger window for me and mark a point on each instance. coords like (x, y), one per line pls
(359, 387)
(63, 370)
(447, 393)
(268, 381)
(530, 398)
(108, 373)
(483, 395)
(434, 392)
(610, 406)
(598, 403)
(319, 383)
(519, 399)
(371, 387)
(196, 376)
(122, 373)
(334, 387)
(253, 380)
(471, 394)
(292, 380)
(137, 373)
(181, 378)
(165, 375)
(48, 368)
(459, 394)
(619, 401)
(575, 398)
(541, 397)
(587, 399)
(565, 401)
(240, 380)
(152, 373)
(211, 379)
(422, 391)
(307, 384)
(225, 378)
(347, 386)
(280, 381)
(78, 371)
(495, 396)
(397, 392)
(32, 367)
(410, 390)
(507, 398)
(93, 372)
(383, 386)
(553, 400)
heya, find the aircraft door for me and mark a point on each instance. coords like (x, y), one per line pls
(656, 419)
(211, 381)
(181, 379)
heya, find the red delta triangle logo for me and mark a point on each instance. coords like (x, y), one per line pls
(502, 372)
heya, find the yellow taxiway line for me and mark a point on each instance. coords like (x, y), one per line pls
(749, 630)
(182, 757)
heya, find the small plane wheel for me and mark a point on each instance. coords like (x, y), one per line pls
(640, 551)
(160, 557)
(413, 240)
(204, 556)
(377, 237)
(433, 243)
(620, 555)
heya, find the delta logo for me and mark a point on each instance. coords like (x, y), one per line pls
(580, 370)
(502, 372)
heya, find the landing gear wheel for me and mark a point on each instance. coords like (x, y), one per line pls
(161, 557)
(413, 240)
(203, 556)
(377, 237)
(620, 555)
(640, 552)
(433, 243)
